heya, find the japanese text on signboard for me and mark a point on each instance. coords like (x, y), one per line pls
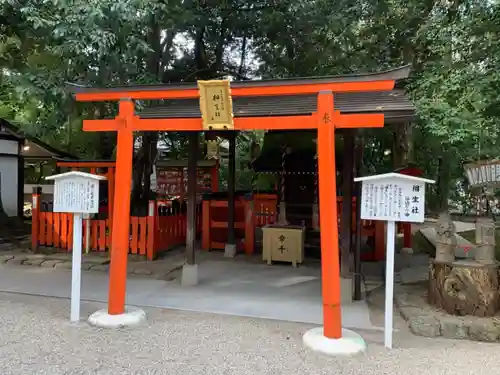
(78, 195)
(216, 104)
(393, 200)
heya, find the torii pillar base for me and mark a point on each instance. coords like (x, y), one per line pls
(131, 317)
(349, 344)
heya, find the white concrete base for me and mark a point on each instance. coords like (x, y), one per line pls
(189, 276)
(131, 317)
(230, 250)
(349, 344)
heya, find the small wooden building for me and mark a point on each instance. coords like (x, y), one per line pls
(11, 172)
(20, 153)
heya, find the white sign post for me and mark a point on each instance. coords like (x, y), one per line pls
(392, 197)
(76, 193)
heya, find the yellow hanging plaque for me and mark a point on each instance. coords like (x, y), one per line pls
(212, 149)
(216, 105)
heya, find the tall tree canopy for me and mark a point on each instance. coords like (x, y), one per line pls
(453, 47)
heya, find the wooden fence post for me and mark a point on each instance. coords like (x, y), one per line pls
(249, 226)
(206, 241)
(379, 253)
(407, 240)
(152, 230)
(35, 219)
(214, 174)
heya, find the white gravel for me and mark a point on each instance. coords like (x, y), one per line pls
(36, 338)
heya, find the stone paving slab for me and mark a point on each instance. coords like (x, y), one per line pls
(50, 263)
(100, 268)
(425, 320)
(5, 258)
(33, 262)
(63, 265)
(17, 260)
(97, 263)
(92, 259)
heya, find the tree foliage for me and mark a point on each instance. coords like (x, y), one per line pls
(452, 45)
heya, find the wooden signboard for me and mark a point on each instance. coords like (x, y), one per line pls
(174, 181)
(392, 197)
(76, 193)
(216, 105)
(483, 173)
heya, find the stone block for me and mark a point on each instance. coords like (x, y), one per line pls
(229, 250)
(427, 326)
(189, 275)
(63, 265)
(33, 262)
(454, 330)
(5, 258)
(34, 256)
(100, 268)
(488, 331)
(17, 261)
(49, 263)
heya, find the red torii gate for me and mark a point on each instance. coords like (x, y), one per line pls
(325, 120)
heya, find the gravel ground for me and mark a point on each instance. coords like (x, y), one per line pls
(36, 338)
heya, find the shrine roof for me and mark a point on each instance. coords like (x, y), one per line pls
(393, 175)
(392, 74)
(203, 163)
(33, 148)
(395, 105)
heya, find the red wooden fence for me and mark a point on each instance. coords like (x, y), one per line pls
(148, 235)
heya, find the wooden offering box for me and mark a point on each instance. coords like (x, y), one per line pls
(283, 243)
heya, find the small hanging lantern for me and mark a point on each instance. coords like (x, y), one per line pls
(153, 179)
(212, 149)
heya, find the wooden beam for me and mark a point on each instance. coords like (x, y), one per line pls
(313, 88)
(352, 121)
(276, 123)
(86, 164)
(195, 124)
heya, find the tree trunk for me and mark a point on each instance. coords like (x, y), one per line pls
(443, 182)
(145, 156)
(464, 288)
(402, 145)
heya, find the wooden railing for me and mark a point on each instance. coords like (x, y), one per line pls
(262, 209)
(149, 235)
(214, 223)
(163, 229)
